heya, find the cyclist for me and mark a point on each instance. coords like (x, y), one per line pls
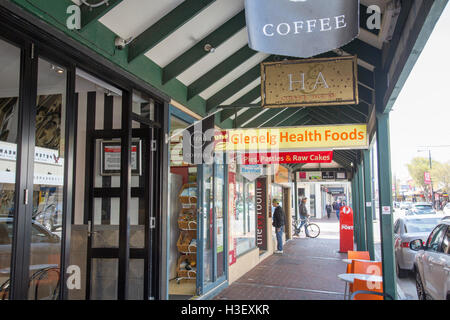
(303, 216)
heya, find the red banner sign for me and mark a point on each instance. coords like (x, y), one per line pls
(232, 241)
(427, 178)
(287, 157)
(261, 211)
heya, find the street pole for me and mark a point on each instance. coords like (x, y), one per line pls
(431, 179)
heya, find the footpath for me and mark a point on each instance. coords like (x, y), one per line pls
(307, 270)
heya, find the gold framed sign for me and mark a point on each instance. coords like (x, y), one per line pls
(310, 82)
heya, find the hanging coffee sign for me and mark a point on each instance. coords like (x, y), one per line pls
(310, 82)
(301, 28)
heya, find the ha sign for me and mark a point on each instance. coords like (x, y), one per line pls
(310, 82)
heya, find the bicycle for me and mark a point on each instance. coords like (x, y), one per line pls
(312, 229)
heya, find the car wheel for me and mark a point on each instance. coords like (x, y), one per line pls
(401, 273)
(419, 287)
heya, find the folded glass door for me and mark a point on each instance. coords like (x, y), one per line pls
(10, 57)
(212, 238)
(48, 181)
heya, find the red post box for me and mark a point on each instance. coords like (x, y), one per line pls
(346, 229)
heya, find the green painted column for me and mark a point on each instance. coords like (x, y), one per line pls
(362, 226)
(385, 196)
(368, 204)
(356, 209)
(295, 195)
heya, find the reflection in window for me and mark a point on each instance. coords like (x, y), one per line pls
(9, 111)
(45, 255)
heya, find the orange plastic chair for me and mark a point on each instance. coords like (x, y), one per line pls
(365, 267)
(366, 286)
(360, 255)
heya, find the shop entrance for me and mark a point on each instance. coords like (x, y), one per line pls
(119, 201)
(197, 254)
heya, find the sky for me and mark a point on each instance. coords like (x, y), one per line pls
(421, 114)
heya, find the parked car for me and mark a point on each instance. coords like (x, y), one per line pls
(432, 263)
(421, 208)
(447, 209)
(405, 230)
(44, 244)
(405, 205)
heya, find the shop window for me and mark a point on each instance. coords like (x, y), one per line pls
(244, 229)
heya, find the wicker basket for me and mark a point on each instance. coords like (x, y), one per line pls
(185, 247)
(190, 274)
(187, 200)
(187, 224)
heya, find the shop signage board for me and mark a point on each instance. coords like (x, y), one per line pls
(261, 212)
(285, 139)
(341, 175)
(301, 175)
(310, 82)
(287, 157)
(328, 175)
(301, 28)
(315, 176)
(251, 172)
(336, 190)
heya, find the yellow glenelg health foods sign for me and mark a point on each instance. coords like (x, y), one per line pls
(352, 136)
(310, 82)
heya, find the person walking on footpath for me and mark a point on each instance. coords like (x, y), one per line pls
(328, 209)
(278, 223)
(303, 216)
(337, 208)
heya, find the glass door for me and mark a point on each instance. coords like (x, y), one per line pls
(48, 181)
(10, 57)
(212, 236)
(33, 170)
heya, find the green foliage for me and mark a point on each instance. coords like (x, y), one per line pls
(440, 173)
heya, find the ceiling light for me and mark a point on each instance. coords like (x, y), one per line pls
(58, 70)
(209, 48)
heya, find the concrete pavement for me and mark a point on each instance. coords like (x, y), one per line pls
(307, 270)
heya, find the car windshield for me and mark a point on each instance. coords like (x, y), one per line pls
(421, 225)
(423, 207)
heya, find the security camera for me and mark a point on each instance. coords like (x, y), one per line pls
(121, 43)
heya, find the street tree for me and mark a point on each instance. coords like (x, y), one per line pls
(441, 173)
(417, 169)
